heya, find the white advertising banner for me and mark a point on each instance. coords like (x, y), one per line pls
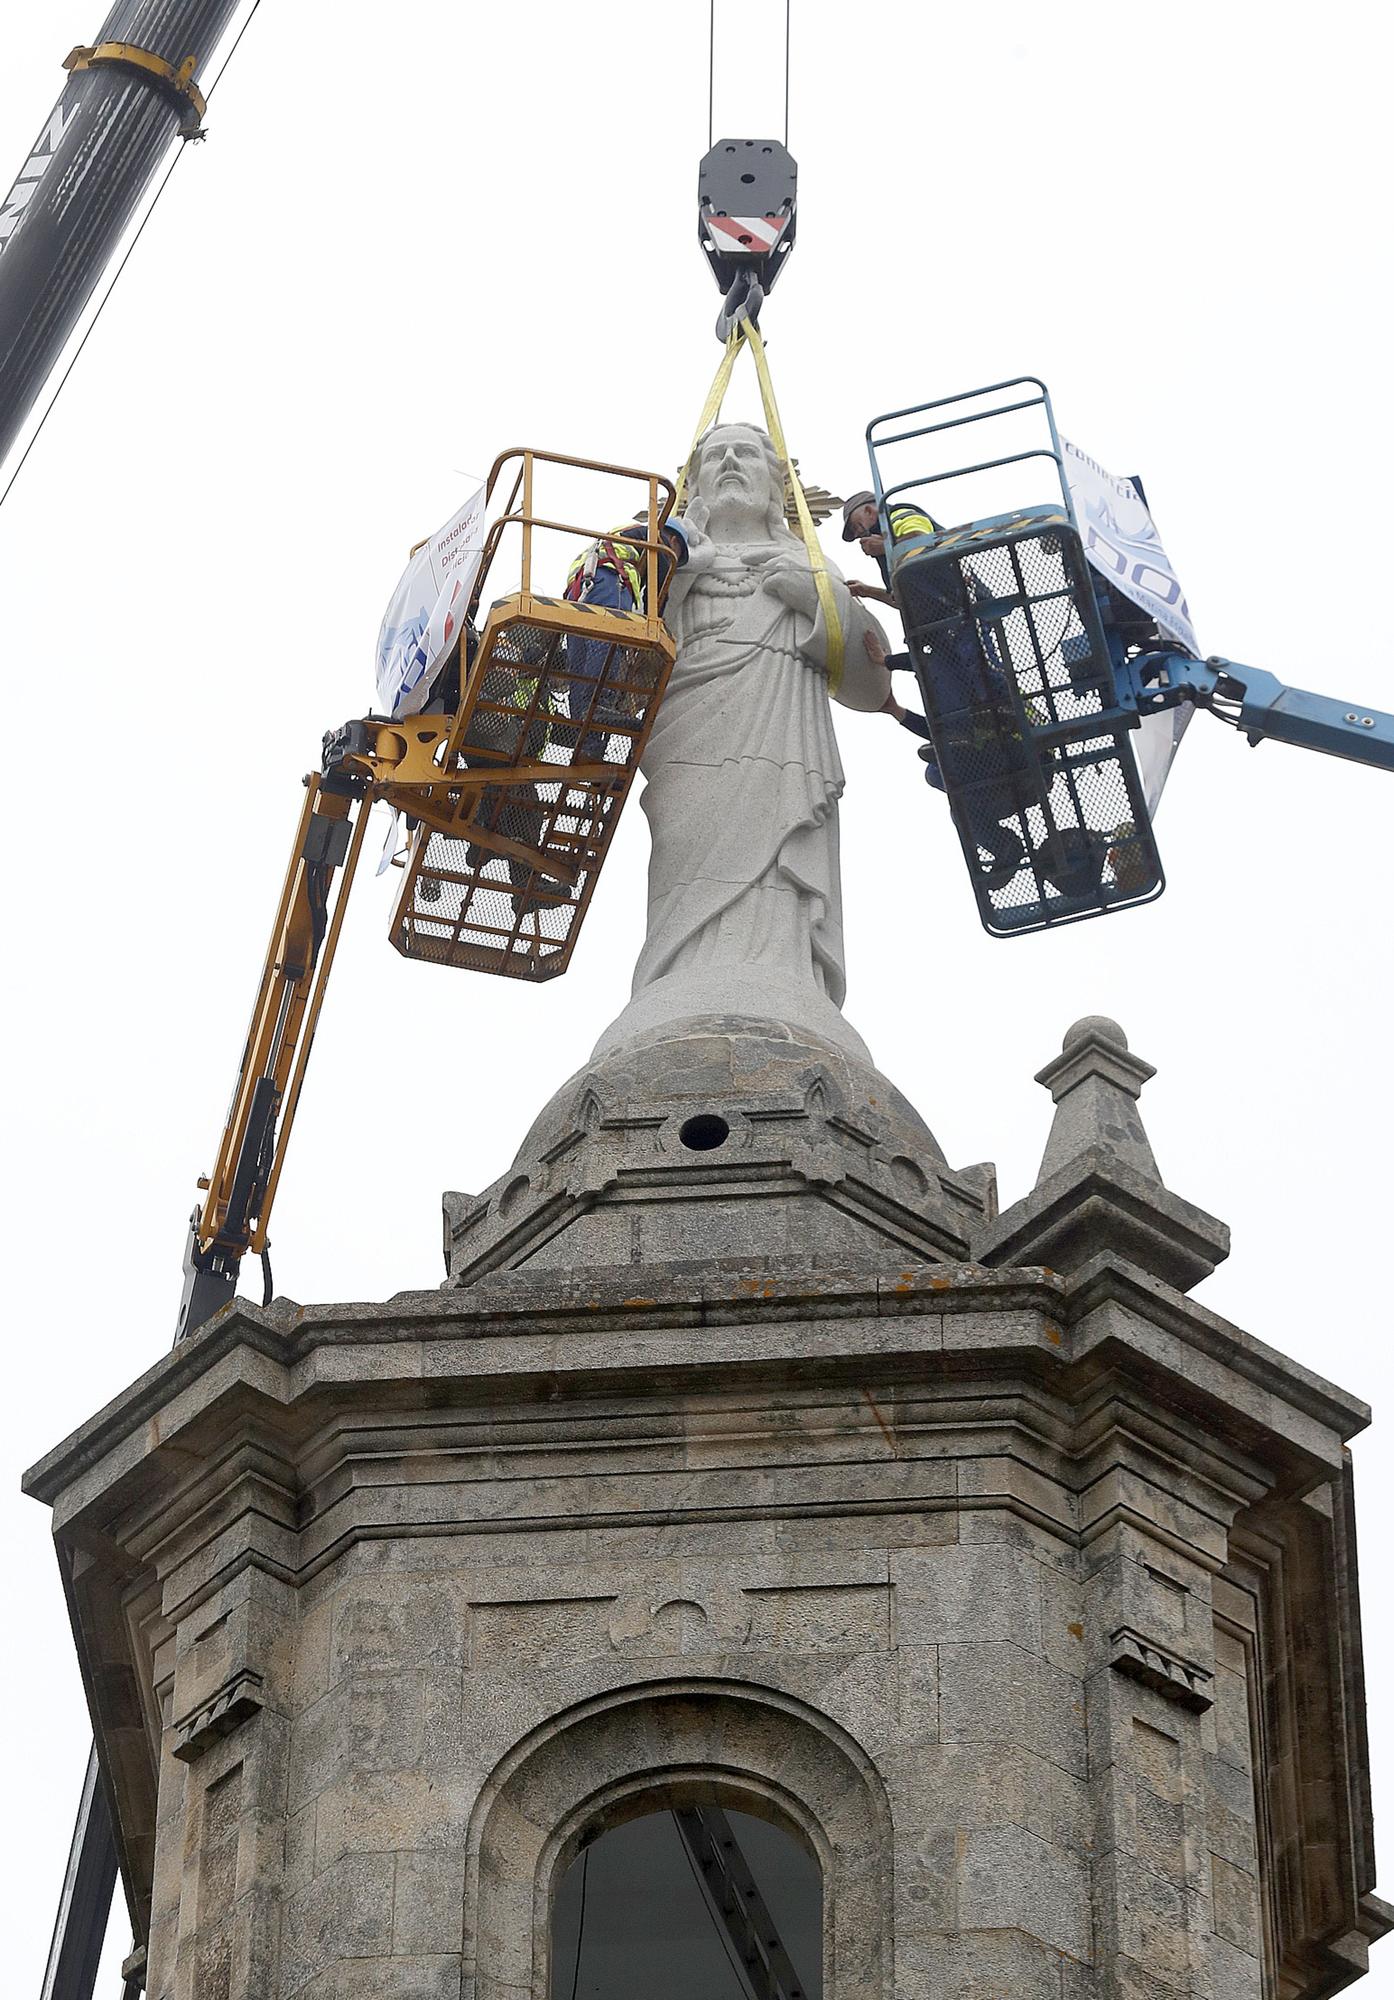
(423, 619)
(1121, 541)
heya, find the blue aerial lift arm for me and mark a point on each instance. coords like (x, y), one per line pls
(1036, 666)
(1258, 704)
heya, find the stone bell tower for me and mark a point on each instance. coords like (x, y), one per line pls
(749, 1461)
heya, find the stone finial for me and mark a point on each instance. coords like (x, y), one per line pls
(1095, 1082)
(1099, 1190)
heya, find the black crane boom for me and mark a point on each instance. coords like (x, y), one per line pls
(128, 97)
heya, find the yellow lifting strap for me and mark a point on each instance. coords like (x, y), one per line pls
(746, 333)
(711, 409)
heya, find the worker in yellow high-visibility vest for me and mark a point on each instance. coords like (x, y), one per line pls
(861, 523)
(610, 573)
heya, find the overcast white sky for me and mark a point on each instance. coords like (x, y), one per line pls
(400, 252)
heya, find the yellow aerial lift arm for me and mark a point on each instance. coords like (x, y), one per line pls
(513, 789)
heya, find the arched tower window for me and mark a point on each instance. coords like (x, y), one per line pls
(803, 1800)
(697, 1902)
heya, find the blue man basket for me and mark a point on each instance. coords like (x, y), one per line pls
(1036, 758)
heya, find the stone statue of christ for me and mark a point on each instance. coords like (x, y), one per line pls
(742, 769)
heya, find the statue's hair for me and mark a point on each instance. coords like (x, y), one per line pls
(696, 508)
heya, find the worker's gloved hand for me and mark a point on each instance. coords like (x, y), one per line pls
(866, 680)
(701, 554)
(701, 549)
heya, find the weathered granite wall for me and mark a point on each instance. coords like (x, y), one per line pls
(1025, 1594)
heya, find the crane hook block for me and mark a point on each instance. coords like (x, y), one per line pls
(747, 200)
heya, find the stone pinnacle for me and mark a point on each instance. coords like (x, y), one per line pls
(1095, 1082)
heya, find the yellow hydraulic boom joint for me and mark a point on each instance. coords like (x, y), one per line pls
(512, 786)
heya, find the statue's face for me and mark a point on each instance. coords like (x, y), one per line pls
(734, 472)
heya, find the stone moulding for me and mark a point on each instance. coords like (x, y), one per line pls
(668, 1743)
(234, 1703)
(1098, 1428)
(1291, 1580)
(1179, 1680)
(1096, 1198)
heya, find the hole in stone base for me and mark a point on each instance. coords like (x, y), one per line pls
(704, 1133)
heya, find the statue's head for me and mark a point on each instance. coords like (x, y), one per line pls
(737, 483)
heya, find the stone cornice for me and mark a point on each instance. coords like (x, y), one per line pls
(263, 1347)
(501, 1329)
(1108, 1277)
(268, 1380)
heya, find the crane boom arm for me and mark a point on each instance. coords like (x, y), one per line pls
(128, 98)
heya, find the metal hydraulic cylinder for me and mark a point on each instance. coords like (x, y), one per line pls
(128, 98)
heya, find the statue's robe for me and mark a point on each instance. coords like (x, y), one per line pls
(743, 779)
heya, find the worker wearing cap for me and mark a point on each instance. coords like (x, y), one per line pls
(611, 574)
(861, 523)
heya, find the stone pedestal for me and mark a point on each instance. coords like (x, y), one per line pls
(966, 1545)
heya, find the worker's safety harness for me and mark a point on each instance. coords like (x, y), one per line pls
(608, 552)
(747, 334)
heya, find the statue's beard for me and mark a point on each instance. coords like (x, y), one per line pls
(739, 516)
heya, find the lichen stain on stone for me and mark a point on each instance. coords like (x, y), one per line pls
(1075, 1631)
(1054, 1335)
(755, 1288)
(638, 1303)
